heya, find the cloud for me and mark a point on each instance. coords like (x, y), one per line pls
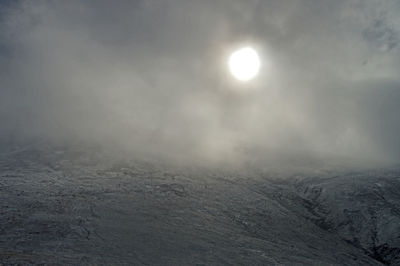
(149, 76)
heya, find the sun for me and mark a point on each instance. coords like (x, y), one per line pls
(244, 64)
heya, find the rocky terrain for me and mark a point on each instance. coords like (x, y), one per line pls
(75, 206)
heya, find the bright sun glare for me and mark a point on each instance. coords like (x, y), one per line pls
(244, 64)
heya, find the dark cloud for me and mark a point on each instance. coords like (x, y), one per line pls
(149, 76)
(381, 34)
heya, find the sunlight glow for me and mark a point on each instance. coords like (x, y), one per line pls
(244, 64)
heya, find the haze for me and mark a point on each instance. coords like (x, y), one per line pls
(148, 77)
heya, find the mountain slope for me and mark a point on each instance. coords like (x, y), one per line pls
(362, 207)
(79, 206)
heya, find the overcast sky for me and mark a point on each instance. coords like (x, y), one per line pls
(151, 76)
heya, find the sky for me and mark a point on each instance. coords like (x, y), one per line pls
(150, 76)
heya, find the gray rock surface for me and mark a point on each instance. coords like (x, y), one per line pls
(77, 206)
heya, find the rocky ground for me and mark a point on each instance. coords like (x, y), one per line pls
(74, 206)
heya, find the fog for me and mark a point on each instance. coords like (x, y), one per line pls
(150, 77)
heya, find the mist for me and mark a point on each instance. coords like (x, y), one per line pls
(150, 77)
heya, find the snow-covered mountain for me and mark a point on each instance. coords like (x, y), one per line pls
(78, 206)
(363, 208)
